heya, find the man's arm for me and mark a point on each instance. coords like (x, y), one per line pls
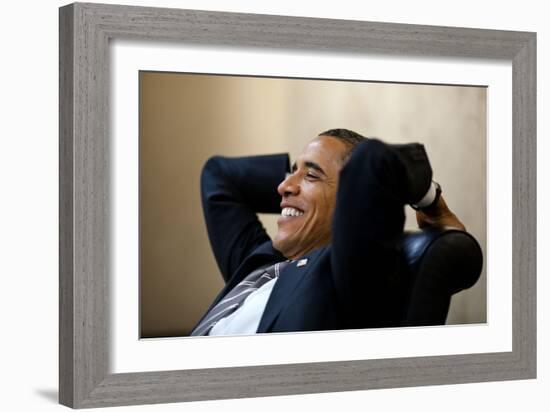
(368, 224)
(233, 190)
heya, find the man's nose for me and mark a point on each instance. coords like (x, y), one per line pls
(289, 186)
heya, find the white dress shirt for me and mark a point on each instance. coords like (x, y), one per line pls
(246, 319)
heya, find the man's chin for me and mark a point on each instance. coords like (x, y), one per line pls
(282, 243)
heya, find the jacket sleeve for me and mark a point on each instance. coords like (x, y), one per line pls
(233, 190)
(368, 222)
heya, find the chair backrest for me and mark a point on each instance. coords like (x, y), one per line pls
(441, 262)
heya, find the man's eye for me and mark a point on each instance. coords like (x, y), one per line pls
(312, 176)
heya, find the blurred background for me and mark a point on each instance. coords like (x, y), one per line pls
(186, 118)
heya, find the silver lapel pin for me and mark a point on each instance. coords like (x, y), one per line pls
(301, 262)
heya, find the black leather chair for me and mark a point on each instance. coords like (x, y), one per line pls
(440, 263)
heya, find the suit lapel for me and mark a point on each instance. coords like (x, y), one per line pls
(262, 255)
(287, 283)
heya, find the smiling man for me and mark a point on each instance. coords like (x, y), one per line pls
(308, 198)
(334, 262)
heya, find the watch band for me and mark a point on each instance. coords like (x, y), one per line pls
(430, 199)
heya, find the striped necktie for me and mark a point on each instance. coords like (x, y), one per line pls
(236, 297)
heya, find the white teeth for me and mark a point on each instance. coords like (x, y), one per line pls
(290, 211)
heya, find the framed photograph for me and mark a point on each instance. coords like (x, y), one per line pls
(244, 115)
(147, 95)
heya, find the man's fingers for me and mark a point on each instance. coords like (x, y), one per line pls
(438, 215)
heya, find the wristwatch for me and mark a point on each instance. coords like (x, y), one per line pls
(430, 198)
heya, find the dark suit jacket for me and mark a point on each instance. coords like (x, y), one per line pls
(355, 282)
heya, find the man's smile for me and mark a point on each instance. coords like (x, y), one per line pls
(291, 211)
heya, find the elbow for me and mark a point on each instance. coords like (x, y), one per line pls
(212, 168)
(212, 165)
(215, 180)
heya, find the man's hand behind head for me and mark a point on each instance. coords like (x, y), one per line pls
(438, 215)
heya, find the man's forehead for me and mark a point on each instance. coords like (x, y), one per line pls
(324, 150)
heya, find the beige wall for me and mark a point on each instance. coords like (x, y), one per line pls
(184, 119)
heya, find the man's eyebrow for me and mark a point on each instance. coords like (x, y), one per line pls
(309, 164)
(313, 165)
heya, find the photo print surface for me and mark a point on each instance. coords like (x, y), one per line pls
(186, 118)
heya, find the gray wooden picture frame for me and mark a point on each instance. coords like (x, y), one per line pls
(85, 31)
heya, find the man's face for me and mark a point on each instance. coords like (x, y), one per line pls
(309, 197)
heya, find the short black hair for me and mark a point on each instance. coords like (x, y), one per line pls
(350, 138)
